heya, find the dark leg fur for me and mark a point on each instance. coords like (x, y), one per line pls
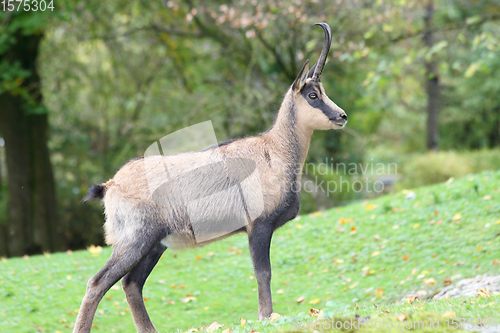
(133, 283)
(123, 260)
(260, 241)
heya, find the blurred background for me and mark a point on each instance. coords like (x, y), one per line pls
(88, 85)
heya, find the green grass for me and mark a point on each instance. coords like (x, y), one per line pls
(359, 259)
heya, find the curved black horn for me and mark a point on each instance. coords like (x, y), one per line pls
(324, 53)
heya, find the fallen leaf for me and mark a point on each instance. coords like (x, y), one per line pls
(379, 292)
(243, 321)
(479, 248)
(227, 330)
(416, 225)
(213, 326)
(447, 281)
(370, 207)
(410, 299)
(338, 261)
(188, 299)
(94, 250)
(456, 217)
(298, 226)
(449, 313)
(315, 301)
(274, 316)
(354, 285)
(316, 214)
(496, 262)
(406, 257)
(280, 291)
(487, 197)
(483, 292)
(314, 312)
(429, 282)
(300, 299)
(375, 253)
(401, 317)
(344, 221)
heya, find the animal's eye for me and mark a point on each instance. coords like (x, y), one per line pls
(313, 96)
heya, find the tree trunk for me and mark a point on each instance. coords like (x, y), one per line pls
(15, 133)
(46, 233)
(3, 218)
(32, 214)
(432, 79)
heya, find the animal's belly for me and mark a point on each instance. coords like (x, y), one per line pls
(183, 241)
(177, 241)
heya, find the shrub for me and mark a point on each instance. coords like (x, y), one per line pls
(435, 167)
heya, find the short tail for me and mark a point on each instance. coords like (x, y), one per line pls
(95, 192)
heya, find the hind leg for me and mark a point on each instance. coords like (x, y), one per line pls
(122, 260)
(133, 283)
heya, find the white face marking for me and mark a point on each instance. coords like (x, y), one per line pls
(314, 118)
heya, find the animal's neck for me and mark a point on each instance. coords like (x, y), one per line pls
(291, 135)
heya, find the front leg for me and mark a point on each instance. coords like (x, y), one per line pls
(259, 239)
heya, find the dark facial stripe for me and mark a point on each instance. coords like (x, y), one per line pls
(317, 103)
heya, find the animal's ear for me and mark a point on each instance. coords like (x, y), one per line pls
(311, 71)
(299, 82)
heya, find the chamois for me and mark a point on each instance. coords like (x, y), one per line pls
(256, 179)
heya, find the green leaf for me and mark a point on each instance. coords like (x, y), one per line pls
(471, 70)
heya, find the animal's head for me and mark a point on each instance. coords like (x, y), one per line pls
(314, 107)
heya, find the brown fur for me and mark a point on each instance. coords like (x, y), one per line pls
(128, 194)
(150, 202)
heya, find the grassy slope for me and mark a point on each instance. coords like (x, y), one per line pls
(368, 253)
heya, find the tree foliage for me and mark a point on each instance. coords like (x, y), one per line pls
(118, 75)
